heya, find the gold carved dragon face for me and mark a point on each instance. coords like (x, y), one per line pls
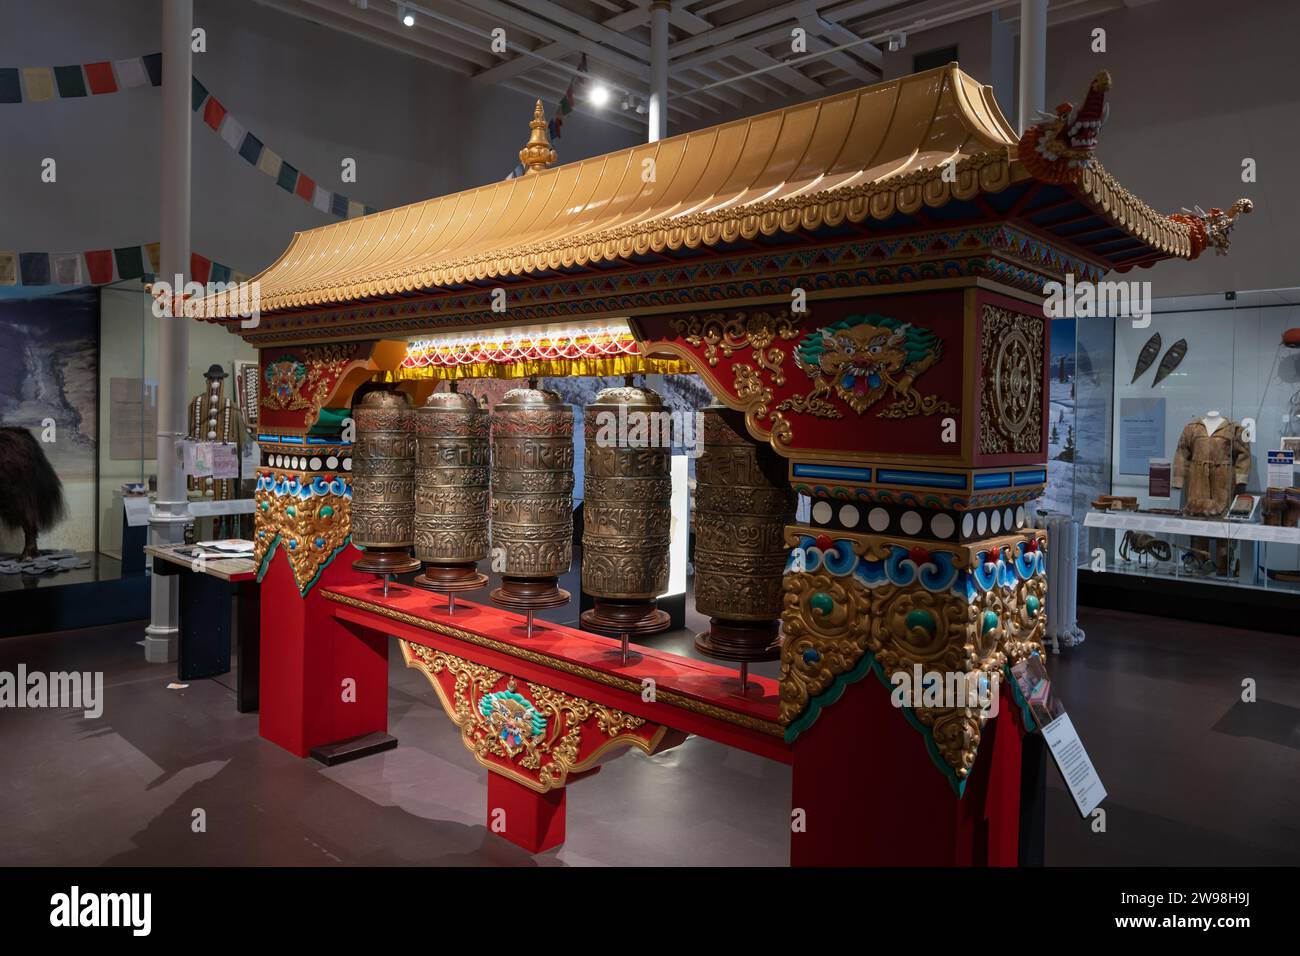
(858, 359)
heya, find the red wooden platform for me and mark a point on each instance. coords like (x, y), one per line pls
(691, 696)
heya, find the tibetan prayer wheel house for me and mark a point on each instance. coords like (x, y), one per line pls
(861, 278)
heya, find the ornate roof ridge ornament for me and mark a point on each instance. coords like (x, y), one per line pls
(1213, 228)
(1059, 147)
(538, 153)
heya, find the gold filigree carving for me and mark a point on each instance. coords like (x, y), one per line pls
(1011, 397)
(721, 335)
(311, 530)
(533, 736)
(832, 619)
(304, 379)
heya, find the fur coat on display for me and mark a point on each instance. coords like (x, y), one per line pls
(31, 494)
(1211, 466)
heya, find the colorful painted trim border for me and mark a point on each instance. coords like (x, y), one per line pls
(838, 266)
(891, 496)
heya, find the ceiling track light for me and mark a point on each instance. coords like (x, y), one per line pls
(599, 94)
(897, 41)
(406, 16)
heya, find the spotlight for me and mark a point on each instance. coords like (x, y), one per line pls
(897, 41)
(408, 18)
(599, 95)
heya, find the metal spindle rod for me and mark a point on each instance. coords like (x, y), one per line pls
(385, 585)
(530, 625)
(451, 603)
(744, 677)
(624, 639)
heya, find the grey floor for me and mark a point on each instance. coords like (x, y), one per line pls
(1194, 776)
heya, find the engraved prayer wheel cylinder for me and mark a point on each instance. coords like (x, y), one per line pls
(742, 505)
(627, 513)
(532, 498)
(451, 491)
(383, 483)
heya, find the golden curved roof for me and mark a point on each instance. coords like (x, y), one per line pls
(821, 162)
(920, 140)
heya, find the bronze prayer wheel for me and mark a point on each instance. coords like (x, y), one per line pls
(383, 483)
(627, 513)
(742, 504)
(451, 491)
(532, 498)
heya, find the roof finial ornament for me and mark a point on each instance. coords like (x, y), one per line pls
(1060, 146)
(538, 154)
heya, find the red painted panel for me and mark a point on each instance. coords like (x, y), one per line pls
(563, 647)
(865, 430)
(306, 656)
(871, 796)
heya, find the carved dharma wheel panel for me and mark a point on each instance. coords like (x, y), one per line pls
(383, 483)
(742, 504)
(627, 518)
(532, 497)
(451, 493)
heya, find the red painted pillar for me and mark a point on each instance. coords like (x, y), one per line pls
(532, 820)
(307, 656)
(871, 796)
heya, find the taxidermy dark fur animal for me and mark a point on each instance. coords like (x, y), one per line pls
(31, 494)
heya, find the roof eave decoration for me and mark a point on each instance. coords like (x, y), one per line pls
(1060, 149)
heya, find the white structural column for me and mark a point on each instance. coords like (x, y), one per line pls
(170, 512)
(1033, 60)
(659, 69)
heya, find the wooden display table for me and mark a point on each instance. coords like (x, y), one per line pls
(208, 583)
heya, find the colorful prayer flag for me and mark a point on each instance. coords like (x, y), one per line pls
(200, 268)
(66, 267)
(130, 262)
(251, 149)
(8, 268)
(198, 93)
(213, 112)
(269, 163)
(306, 189)
(322, 198)
(34, 268)
(153, 67)
(355, 209)
(232, 131)
(71, 81)
(130, 73)
(288, 177)
(99, 263)
(11, 90)
(154, 251)
(100, 78)
(339, 205)
(39, 81)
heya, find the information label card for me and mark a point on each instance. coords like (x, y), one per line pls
(1075, 766)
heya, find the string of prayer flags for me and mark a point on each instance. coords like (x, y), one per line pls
(35, 84)
(102, 266)
(38, 83)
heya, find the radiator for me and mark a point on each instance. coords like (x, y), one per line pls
(1062, 581)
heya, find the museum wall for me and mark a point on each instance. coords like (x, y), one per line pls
(313, 94)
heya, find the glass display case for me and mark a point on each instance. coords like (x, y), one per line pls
(1173, 440)
(128, 409)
